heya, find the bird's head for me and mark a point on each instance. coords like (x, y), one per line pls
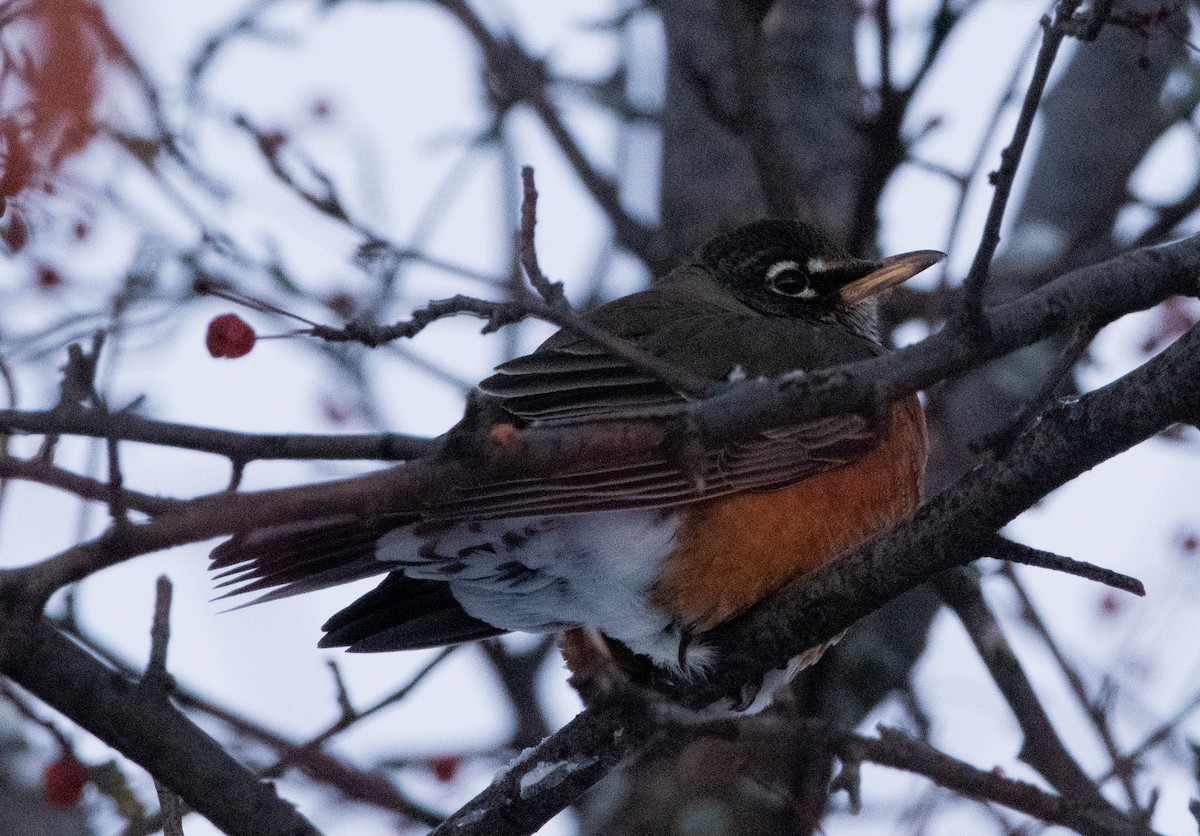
(787, 268)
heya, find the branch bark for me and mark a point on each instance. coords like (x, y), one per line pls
(144, 726)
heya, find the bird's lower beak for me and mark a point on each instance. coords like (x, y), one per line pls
(889, 273)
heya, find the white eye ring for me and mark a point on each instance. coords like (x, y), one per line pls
(779, 267)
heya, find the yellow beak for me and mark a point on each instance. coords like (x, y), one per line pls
(889, 273)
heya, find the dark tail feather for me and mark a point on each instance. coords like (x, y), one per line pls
(400, 614)
(302, 557)
(404, 614)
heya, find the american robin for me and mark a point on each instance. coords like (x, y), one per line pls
(646, 554)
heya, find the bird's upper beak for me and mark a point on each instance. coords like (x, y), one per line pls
(887, 274)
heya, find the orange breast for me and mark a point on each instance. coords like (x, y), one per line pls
(732, 551)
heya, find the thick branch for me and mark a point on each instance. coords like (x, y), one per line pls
(949, 531)
(957, 525)
(178, 754)
(540, 783)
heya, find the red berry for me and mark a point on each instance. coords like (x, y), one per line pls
(445, 767)
(1188, 541)
(64, 781)
(47, 277)
(322, 110)
(1110, 605)
(229, 336)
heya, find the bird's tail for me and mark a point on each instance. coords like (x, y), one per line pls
(402, 613)
(301, 557)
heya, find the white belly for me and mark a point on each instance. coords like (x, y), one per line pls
(537, 574)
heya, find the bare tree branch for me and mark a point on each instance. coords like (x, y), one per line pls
(1042, 749)
(309, 757)
(949, 531)
(154, 734)
(524, 79)
(242, 447)
(1053, 34)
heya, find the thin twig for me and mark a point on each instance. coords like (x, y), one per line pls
(1094, 712)
(559, 311)
(117, 510)
(1164, 730)
(1043, 749)
(970, 313)
(1002, 548)
(155, 684)
(270, 146)
(351, 782)
(38, 471)
(958, 216)
(887, 147)
(243, 447)
(896, 749)
(160, 635)
(350, 717)
(551, 292)
(524, 79)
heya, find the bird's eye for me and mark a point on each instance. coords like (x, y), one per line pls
(786, 278)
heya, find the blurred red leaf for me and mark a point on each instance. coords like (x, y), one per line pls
(63, 46)
(64, 78)
(15, 234)
(18, 161)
